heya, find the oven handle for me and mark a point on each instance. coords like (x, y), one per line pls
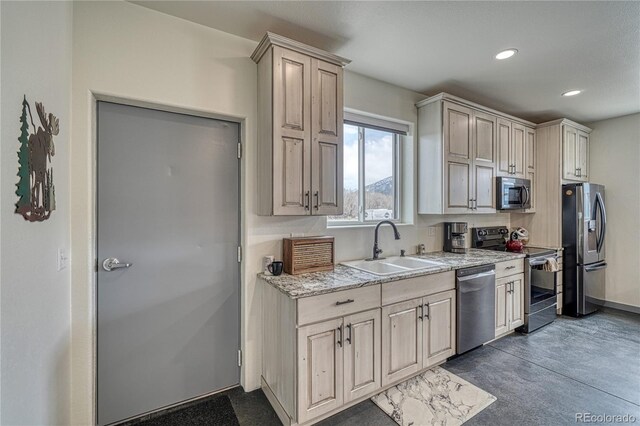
(526, 191)
(542, 261)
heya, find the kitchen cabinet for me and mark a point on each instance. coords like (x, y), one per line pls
(339, 361)
(402, 340)
(362, 353)
(322, 353)
(575, 154)
(509, 303)
(462, 147)
(512, 149)
(417, 334)
(530, 169)
(300, 140)
(557, 157)
(320, 367)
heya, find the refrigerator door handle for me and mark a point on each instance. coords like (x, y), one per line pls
(603, 225)
(596, 267)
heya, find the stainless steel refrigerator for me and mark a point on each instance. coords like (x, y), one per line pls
(584, 226)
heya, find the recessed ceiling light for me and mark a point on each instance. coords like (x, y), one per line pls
(506, 53)
(572, 93)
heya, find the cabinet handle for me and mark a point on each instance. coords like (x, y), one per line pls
(340, 335)
(317, 195)
(475, 204)
(510, 267)
(344, 302)
(428, 311)
(421, 314)
(306, 200)
(470, 204)
(348, 339)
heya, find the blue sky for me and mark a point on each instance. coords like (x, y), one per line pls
(378, 156)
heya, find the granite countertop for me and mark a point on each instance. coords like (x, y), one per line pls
(345, 277)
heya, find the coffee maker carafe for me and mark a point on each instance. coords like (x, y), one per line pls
(454, 237)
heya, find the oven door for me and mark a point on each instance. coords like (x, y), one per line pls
(541, 286)
(513, 194)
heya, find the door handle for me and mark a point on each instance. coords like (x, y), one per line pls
(340, 335)
(348, 339)
(421, 314)
(596, 267)
(603, 218)
(306, 201)
(112, 263)
(428, 311)
(317, 195)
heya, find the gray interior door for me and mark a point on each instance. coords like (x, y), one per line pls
(168, 204)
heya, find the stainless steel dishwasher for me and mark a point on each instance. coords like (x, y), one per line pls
(476, 306)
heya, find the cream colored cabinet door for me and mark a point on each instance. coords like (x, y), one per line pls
(530, 148)
(569, 151)
(582, 156)
(516, 301)
(401, 340)
(320, 368)
(504, 147)
(518, 150)
(326, 138)
(291, 133)
(484, 162)
(458, 155)
(362, 350)
(439, 336)
(502, 319)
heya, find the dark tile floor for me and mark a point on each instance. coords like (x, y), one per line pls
(589, 365)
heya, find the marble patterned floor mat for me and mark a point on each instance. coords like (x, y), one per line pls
(435, 397)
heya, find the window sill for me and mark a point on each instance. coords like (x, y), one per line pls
(363, 225)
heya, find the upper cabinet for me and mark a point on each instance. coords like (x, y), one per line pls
(300, 115)
(575, 152)
(462, 147)
(512, 148)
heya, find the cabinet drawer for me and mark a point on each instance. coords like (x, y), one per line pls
(398, 291)
(332, 305)
(510, 267)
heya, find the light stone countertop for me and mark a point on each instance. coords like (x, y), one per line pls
(345, 277)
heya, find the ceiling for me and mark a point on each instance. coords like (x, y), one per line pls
(430, 47)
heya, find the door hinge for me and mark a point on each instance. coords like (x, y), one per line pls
(239, 150)
(239, 357)
(239, 254)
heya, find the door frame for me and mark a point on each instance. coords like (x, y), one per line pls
(91, 261)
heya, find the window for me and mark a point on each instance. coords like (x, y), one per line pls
(371, 174)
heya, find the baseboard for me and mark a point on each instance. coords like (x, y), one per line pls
(618, 306)
(273, 400)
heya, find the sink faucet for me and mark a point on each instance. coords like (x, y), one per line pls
(376, 249)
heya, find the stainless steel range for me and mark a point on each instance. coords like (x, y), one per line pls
(540, 285)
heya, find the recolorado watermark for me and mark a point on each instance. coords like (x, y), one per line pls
(604, 418)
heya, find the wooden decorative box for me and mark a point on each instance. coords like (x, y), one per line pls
(308, 254)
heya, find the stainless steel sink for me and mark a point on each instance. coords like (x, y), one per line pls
(392, 265)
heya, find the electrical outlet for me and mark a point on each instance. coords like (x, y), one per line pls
(432, 231)
(63, 259)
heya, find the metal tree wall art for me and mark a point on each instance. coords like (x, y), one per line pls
(35, 189)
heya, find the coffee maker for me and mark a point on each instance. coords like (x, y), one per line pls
(454, 237)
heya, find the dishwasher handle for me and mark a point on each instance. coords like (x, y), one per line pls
(476, 276)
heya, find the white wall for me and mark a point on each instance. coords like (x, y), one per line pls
(132, 52)
(35, 300)
(614, 160)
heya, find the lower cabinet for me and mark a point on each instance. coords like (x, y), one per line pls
(416, 334)
(338, 361)
(509, 303)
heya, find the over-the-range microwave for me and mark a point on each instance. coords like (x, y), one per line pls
(513, 193)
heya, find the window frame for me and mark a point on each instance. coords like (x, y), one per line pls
(396, 174)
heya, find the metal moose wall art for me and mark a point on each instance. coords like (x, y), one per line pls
(35, 189)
